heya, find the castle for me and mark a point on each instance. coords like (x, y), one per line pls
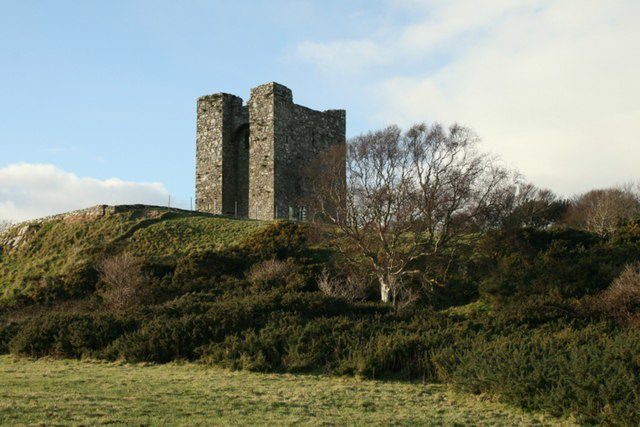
(250, 158)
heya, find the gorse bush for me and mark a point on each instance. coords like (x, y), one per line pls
(566, 263)
(65, 335)
(366, 347)
(282, 240)
(7, 331)
(594, 371)
(178, 331)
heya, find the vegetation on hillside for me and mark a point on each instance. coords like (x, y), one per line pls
(58, 258)
(525, 315)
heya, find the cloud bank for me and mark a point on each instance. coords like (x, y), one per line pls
(30, 191)
(551, 86)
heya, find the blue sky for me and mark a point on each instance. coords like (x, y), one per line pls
(100, 96)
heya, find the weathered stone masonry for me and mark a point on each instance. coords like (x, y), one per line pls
(249, 158)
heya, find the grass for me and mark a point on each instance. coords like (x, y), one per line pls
(472, 309)
(89, 392)
(180, 236)
(58, 248)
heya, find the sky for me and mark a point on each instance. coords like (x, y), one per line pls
(97, 99)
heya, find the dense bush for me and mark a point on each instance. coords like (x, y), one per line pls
(203, 271)
(593, 372)
(163, 339)
(78, 282)
(282, 240)
(7, 331)
(367, 347)
(179, 329)
(566, 263)
(68, 335)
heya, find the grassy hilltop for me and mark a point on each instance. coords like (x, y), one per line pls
(63, 251)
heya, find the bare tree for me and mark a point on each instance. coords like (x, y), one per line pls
(408, 196)
(602, 211)
(125, 283)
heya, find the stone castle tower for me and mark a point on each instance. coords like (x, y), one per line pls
(249, 158)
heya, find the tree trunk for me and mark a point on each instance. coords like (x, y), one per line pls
(386, 284)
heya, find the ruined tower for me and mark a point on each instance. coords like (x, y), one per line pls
(250, 158)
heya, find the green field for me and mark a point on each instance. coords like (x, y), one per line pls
(50, 392)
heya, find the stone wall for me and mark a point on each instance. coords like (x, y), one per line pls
(250, 159)
(261, 151)
(221, 155)
(303, 135)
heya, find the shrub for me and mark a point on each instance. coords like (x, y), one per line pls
(68, 335)
(349, 288)
(621, 300)
(205, 270)
(125, 284)
(176, 333)
(281, 240)
(164, 339)
(270, 272)
(288, 342)
(7, 331)
(566, 263)
(78, 282)
(593, 372)
(368, 346)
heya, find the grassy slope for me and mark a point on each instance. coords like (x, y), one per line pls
(60, 247)
(77, 392)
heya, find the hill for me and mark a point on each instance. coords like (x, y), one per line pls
(62, 251)
(544, 319)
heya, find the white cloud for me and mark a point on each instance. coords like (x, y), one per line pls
(550, 85)
(30, 191)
